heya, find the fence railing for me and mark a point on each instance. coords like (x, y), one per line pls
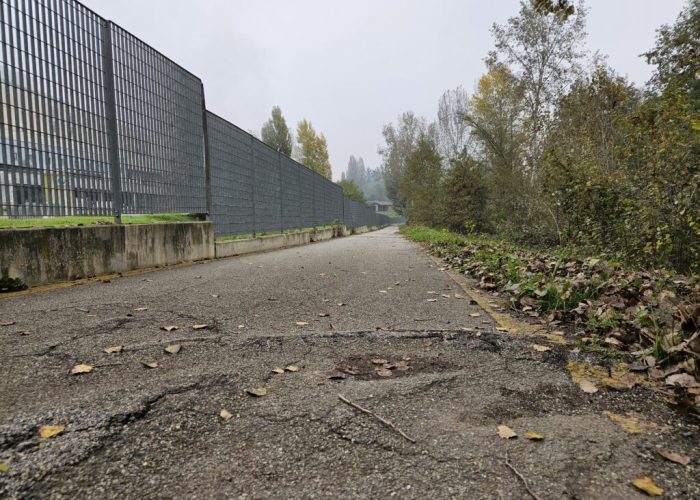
(97, 122)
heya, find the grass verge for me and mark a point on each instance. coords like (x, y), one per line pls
(85, 220)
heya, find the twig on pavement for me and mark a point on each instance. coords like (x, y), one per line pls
(368, 412)
(520, 476)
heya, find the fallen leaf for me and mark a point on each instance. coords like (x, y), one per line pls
(458, 296)
(647, 486)
(444, 295)
(630, 423)
(114, 349)
(383, 372)
(541, 348)
(337, 376)
(557, 332)
(432, 300)
(49, 431)
(241, 327)
(301, 323)
(79, 369)
(622, 383)
(169, 328)
(149, 364)
(199, 327)
(139, 309)
(4, 467)
(258, 392)
(173, 349)
(379, 361)
(506, 432)
(533, 436)
(7, 323)
(587, 386)
(431, 292)
(475, 315)
(323, 315)
(674, 457)
(292, 368)
(501, 329)
(382, 291)
(682, 380)
(226, 415)
(278, 370)
(341, 304)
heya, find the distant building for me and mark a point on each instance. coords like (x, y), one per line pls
(381, 206)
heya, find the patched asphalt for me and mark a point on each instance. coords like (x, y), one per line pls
(135, 432)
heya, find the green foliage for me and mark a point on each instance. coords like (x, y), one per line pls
(84, 220)
(352, 190)
(11, 285)
(275, 133)
(420, 183)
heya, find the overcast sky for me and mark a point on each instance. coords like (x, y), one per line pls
(352, 66)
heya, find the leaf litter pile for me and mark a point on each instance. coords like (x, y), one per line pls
(650, 318)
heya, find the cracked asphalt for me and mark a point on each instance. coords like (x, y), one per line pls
(135, 432)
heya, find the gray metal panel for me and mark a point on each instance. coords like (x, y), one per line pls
(161, 134)
(231, 158)
(53, 156)
(291, 194)
(267, 188)
(306, 196)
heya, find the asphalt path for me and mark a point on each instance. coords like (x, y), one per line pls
(369, 317)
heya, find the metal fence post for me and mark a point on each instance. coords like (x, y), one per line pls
(111, 119)
(207, 159)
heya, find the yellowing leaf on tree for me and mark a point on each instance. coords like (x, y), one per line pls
(506, 432)
(114, 349)
(258, 392)
(647, 486)
(533, 436)
(173, 349)
(80, 369)
(49, 431)
(169, 328)
(226, 415)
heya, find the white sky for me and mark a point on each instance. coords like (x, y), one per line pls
(352, 66)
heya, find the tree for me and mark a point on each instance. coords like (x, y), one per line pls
(313, 149)
(465, 196)
(275, 132)
(401, 139)
(420, 182)
(452, 127)
(545, 53)
(352, 190)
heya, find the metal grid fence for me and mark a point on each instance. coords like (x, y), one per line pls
(97, 122)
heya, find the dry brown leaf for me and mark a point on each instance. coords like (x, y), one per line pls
(506, 432)
(226, 415)
(541, 348)
(169, 328)
(682, 380)
(139, 309)
(114, 349)
(292, 368)
(173, 349)
(149, 364)
(337, 375)
(533, 436)
(301, 323)
(80, 369)
(475, 315)
(278, 370)
(258, 392)
(383, 372)
(587, 386)
(647, 486)
(622, 383)
(49, 431)
(199, 327)
(379, 361)
(674, 457)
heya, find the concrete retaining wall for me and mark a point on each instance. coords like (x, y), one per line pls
(48, 255)
(273, 242)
